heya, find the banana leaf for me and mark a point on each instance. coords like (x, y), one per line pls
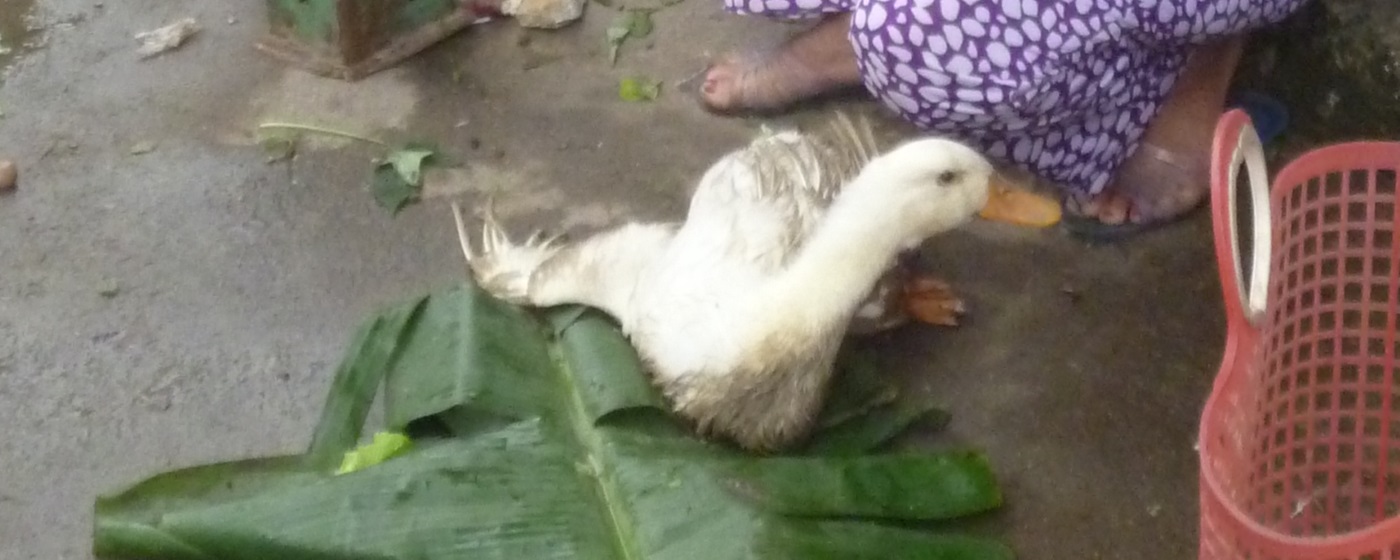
(535, 434)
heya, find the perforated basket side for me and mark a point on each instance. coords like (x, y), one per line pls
(1326, 448)
(1300, 439)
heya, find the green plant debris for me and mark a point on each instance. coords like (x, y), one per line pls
(273, 129)
(390, 191)
(398, 178)
(630, 24)
(408, 163)
(385, 446)
(535, 434)
(279, 148)
(639, 89)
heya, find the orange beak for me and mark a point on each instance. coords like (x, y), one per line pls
(1019, 206)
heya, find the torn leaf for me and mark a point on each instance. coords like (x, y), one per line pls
(524, 421)
(638, 23)
(390, 190)
(398, 178)
(616, 35)
(639, 89)
(630, 24)
(408, 163)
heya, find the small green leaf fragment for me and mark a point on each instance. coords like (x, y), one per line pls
(385, 446)
(638, 23)
(617, 32)
(630, 24)
(390, 190)
(408, 163)
(616, 35)
(278, 148)
(639, 89)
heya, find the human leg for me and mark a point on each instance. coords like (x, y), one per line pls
(1166, 176)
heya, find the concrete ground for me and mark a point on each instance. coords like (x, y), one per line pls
(188, 305)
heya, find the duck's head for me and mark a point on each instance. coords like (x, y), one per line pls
(926, 186)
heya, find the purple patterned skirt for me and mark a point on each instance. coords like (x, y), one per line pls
(1063, 87)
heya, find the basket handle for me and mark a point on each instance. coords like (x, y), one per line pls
(1237, 142)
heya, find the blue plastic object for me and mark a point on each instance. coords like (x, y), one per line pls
(1269, 115)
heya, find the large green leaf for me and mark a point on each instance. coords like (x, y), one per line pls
(538, 436)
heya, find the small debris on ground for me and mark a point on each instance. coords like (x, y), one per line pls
(111, 290)
(398, 178)
(105, 336)
(165, 39)
(9, 176)
(543, 14)
(639, 89)
(630, 24)
(144, 147)
(278, 147)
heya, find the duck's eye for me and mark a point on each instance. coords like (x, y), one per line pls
(949, 177)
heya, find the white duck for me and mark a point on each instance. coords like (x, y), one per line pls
(739, 311)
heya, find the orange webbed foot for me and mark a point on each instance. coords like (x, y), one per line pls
(932, 301)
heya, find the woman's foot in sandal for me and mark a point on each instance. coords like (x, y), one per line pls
(1168, 175)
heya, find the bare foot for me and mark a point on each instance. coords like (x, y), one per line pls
(1168, 175)
(816, 61)
(1154, 185)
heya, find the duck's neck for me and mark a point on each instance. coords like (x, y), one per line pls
(852, 248)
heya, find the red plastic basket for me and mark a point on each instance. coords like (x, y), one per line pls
(1300, 439)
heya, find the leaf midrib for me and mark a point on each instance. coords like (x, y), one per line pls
(591, 441)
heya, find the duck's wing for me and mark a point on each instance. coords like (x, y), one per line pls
(757, 205)
(601, 271)
(811, 164)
